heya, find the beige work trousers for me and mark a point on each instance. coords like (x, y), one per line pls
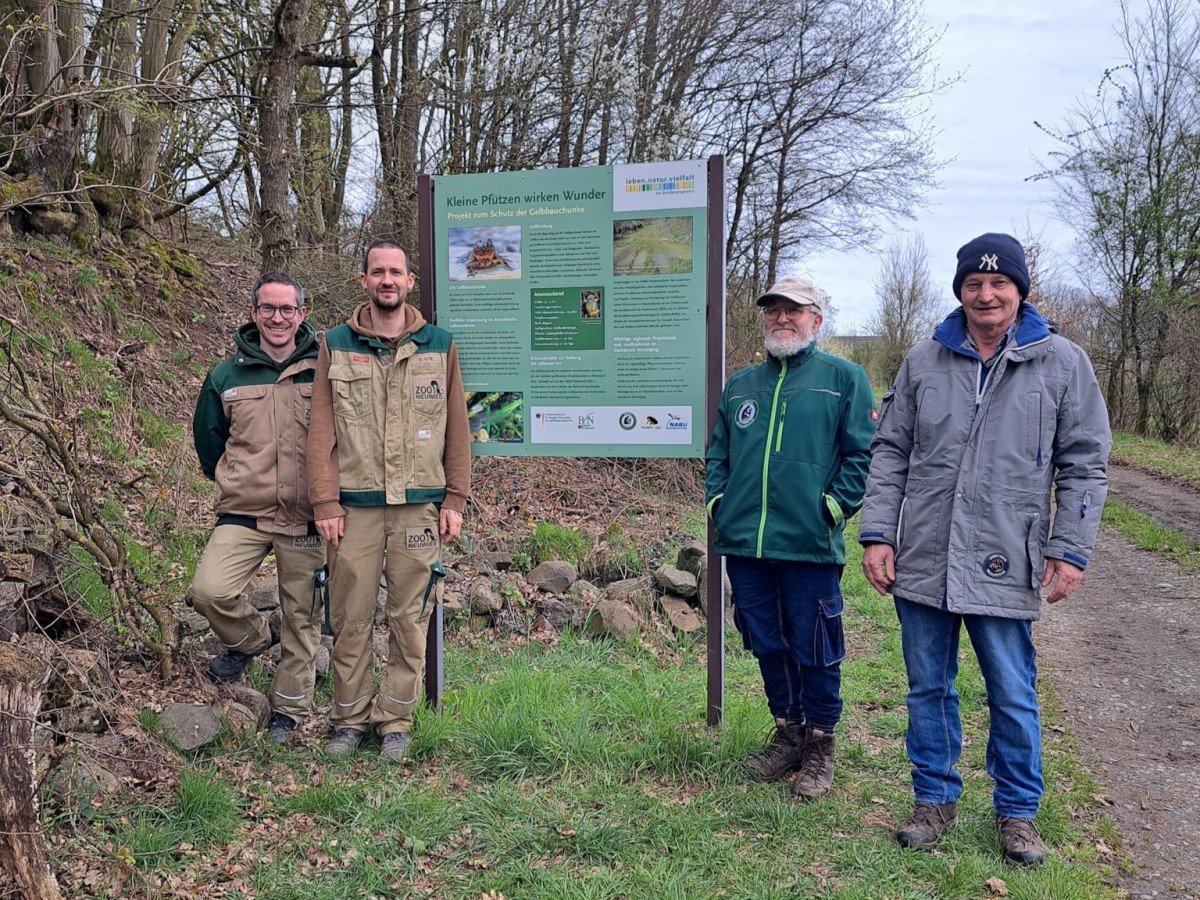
(403, 542)
(234, 553)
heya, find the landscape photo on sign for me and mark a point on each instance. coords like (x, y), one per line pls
(652, 246)
(488, 252)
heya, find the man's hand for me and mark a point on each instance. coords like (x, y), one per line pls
(449, 524)
(332, 530)
(879, 566)
(1065, 576)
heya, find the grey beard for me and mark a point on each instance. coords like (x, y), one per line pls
(781, 349)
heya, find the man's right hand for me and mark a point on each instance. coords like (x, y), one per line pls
(332, 529)
(879, 566)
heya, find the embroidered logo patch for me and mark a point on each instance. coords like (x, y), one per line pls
(230, 394)
(425, 363)
(307, 542)
(428, 389)
(360, 358)
(989, 263)
(995, 565)
(874, 415)
(424, 434)
(746, 413)
(420, 538)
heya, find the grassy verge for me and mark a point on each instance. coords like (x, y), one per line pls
(1157, 456)
(584, 770)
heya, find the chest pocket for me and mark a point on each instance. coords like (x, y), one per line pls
(351, 391)
(427, 379)
(304, 404)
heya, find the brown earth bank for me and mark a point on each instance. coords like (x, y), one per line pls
(1123, 658)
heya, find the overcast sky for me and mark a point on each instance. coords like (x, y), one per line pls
(1021, 61)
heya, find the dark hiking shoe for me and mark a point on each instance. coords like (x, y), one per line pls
(281, 729)
(1020, 843)
(344, 742)
(926, 824)
(779, 757)
(232, 664)
(395, 746)
(815, 777)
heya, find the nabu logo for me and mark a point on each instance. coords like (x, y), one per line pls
(429, 391)
(420, 538)
(746, 414)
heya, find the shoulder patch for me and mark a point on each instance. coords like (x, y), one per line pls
(746, 413)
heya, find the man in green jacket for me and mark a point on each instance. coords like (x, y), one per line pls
(787, 466)
(251, 434)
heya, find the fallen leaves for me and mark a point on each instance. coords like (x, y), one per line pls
(997, 887)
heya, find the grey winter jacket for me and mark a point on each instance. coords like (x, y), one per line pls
(961, 473)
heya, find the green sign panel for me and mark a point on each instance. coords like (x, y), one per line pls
(577, 299)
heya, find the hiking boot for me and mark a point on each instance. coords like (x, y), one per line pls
(344, 742)
(779, 757)
(926, 824)
(815, 777)
(231, 664)
(395, 746)
(281, 729)
(1020, 843)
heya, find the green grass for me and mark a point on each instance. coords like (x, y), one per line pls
(584, 770)
(1157, 456)
(1145, 533)
(549, 541)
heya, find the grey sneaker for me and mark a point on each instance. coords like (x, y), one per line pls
(281, 729)
(344, 742)
(779, 757)
(1020, 842)
(926, 824)
(815, 777)
(395, 746)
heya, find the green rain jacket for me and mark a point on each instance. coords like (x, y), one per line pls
(788, 457)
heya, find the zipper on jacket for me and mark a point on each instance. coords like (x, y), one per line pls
(782, 417)
(1039, 431)
(762, 518)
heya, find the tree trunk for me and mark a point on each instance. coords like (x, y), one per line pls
(23, 677)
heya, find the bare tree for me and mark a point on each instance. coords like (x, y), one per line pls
(910, 306)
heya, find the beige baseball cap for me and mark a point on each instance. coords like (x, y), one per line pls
(795, 288)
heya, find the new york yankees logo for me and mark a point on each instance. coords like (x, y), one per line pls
(989, 263)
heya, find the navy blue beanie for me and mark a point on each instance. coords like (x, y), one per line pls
(1000, 253)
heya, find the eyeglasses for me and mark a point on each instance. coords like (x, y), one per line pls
(267, 311)
(788, 312)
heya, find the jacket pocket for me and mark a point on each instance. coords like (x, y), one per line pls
(1033, 549)
(351, 391)
(830, 644)
(303, 404)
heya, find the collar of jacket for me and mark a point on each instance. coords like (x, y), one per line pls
(362, 324)
(794, 360)
(251, 353)
(1031, 329)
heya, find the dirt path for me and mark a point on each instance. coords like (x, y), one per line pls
(1124, 657)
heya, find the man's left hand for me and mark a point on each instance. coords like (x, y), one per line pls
(450, 524)
(1066, 579)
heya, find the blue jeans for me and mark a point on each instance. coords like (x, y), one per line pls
(790, 617)
(1008, 662)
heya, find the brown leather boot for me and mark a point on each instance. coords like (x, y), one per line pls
(1020, 842)
(781, 756)
(815, 777)
(926, 824)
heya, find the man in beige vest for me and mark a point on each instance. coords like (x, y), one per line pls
(389, 460)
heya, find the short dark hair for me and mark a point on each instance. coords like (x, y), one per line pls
(383, 244)
(277, 278)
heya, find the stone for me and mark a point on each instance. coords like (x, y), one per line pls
(560, 614)
(635, 592)
(553, 577)
(611, 618)
(79, 779)
(262, 592)
(379, 643)
(191, 623)
(583, 591)
(702, 591)
(681, 615)
(692, 555)
(321, 660)
(189, 727)
(241, 719)
(47, 221)
(675, 581)
(484, 600)
(254, 701)
(499, 560)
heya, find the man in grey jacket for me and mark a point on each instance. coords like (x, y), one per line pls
(983, 420)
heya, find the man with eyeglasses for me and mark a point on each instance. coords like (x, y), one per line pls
(787, 466)
(251, 434)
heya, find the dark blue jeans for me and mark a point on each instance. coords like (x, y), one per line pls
(1008, 662)
(790, 617)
